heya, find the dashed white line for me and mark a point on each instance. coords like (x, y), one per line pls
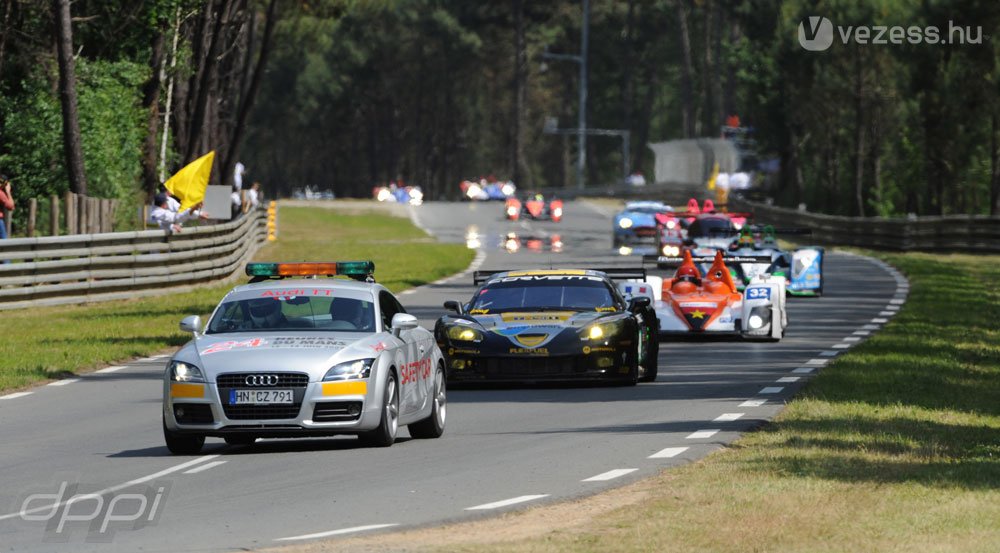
(204, 467)
(892, 308)
(610, 475)
(16, 395)
(897, 302)
(788, 379)
(64, 382)
(754, 402)
(819, 362)
(886, 313)
(668, 453)
(871, 327)
(701, 434)
(829, 353)
(771, 390)
(506, 502)
(852, 339)
(862, 332)
(879, 320)
(110, 370)
(803, 370)
(141, 480)
(840, 346)
(338, 532)
(728, 417)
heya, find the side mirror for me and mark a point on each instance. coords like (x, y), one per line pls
(403, 321)
(453, 305)
(639, 302)
(192, 324)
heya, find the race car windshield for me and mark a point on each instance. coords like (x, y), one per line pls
(313, 313)
(562, 294)
(713, 227)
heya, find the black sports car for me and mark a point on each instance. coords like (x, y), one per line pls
(551, 325)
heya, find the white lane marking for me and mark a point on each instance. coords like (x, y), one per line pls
(700, 434)
(406, 292)
(204, 467)
(879, 320)
(852, 339)
(892, 308)
(110, 370)
(668, 453)
(16, 395)
(771, 390)
(862, 332)
(803, 370)
(337, 532)
(754, 402)
(819, 362)
(871, 327)
(112, 489)
(506, 502)
(840, 346)
(886, 313)
(830, 353)
(897, 302)
(610, 475)
(787, 379)
(727, 417)
(64, 382)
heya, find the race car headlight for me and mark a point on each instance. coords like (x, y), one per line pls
(759, 317)
(185, 372)
(625, 222)
(464, 334)
(671, 251)
(359, 368)
(671, 224)
(755, 322)
(557, 212)
(600, 332)
(512, 211)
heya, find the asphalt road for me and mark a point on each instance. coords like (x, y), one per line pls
(503, 448)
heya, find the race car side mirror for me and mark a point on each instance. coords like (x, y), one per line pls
(638, 302)
(192, 324)
(453, 305)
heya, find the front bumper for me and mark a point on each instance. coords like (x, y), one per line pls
(318, 409)
(601, 363)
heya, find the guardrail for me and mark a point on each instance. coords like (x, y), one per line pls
(951, 233)
(82, 268)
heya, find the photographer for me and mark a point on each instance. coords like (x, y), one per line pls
(6, 204)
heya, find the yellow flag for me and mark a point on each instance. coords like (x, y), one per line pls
(711, 179)
(189, 184)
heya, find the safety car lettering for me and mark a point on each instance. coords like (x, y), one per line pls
(281, 294)
(234, 344)
(529, 351)
(758, 293)
(307, 342)
(417, 370)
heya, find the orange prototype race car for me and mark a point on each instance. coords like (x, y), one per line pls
(535, 206)
(692, 304)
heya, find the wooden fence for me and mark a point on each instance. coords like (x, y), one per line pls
(71, 214)
(82, 268)
(950, 233)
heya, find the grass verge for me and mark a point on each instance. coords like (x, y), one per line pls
(893, 447)
(53, 342)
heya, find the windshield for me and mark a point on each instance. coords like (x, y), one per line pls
(294, 313)
(533, 293)
(711, 227)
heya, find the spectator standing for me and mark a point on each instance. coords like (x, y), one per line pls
(237, 202)
(170, 219)
(253, 195)
(6, 204)
(238, 173)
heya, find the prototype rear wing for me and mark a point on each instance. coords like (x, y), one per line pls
(664, 261)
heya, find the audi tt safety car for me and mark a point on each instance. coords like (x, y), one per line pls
(288, 357)
(551, 325)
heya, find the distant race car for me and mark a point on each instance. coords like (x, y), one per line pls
(551, 325)
(801, 267)
(484, 190)
(412, 195)
(535, 206)
(692, 304)
(291, 357)
(636, 223)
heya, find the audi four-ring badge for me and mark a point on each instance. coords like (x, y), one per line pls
(286, 356)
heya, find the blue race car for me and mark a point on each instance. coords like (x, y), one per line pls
(802, 267)
(636, 224)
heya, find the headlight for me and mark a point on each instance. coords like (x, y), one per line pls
(360, 368)
(557, 212)
(184, 372)
(755, 322)
(671, 224)
(464, 334)
(601, 331)
(511, 211)
(624, 250)
(671, 251)
(625, 222)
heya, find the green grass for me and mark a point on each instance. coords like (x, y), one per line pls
(893, 447)
(53, 342)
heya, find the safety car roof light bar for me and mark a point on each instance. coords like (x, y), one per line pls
(357, 270)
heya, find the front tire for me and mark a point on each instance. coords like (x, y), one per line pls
(385, 434)
(182, 444)
(433, 425)
(651, 364)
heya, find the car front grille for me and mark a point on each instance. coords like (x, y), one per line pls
(337, 411)
(285, 380)
(533, 367)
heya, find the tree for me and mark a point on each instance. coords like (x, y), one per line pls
(67, 95)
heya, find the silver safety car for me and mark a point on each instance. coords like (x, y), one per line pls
(291, 357)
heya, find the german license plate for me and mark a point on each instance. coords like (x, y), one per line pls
(260, 397)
